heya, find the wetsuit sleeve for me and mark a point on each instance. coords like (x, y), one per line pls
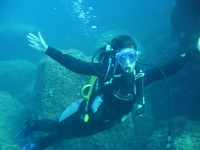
(72, 63)
(153, 74)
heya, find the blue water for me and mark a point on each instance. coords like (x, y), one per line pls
(61, 27)
(79, 24)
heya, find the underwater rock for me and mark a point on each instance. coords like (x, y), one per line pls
(14, 44)
(56, 87)
(11, 121)
(185, 135)
(18, 30)
(185, 21)
(16, 76)
(190, 137)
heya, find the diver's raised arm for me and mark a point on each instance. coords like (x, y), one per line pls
(37, 42)
(70, 62)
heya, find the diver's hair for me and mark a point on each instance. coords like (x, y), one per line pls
(117, 43)
(122, 41)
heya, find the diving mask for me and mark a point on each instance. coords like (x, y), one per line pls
(126, 56)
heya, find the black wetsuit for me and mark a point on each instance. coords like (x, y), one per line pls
(112, 108)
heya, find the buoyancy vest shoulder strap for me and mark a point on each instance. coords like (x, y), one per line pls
(140, 104)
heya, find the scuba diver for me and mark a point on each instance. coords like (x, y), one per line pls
(114, 90)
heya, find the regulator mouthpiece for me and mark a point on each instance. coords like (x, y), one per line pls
(127, 69)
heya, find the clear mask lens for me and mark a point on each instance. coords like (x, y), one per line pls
(126, 57)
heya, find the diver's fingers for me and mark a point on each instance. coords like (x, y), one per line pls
(31, 40)
(31, 45)
(37, 42)
(33, 36)
(40, 36)
(41, 39)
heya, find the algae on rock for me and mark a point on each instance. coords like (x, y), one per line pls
(11, 120)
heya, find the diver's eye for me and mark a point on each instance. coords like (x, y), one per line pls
(132, 56)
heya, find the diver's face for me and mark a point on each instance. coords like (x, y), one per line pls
(127, 58)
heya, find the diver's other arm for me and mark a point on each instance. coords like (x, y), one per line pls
(198, 45)
(72, 63)
(37, 42)
(170, 68)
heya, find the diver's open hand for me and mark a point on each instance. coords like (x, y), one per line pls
(37, 42)
(198, 45)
